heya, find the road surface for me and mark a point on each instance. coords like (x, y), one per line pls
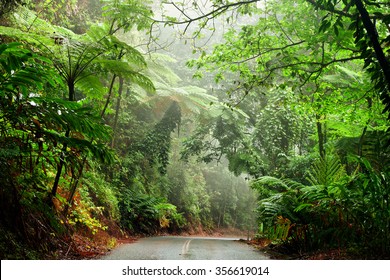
(186, 248)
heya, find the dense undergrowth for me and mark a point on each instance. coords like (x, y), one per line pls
(333, 210)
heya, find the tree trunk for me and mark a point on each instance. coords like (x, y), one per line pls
(321, 136)
(117, 109)
(71, 97)
(379, 53)
(361, 140)
(74, 186)
(71, 91)
(109, 95)
(77, 178)
(373, 35)
(59, 167)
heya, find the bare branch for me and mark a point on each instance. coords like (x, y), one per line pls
(268, 51)
(330, 9)
(207, 16)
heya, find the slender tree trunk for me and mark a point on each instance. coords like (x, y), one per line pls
(118, 105)
(71, 97)
(74, 186)
(59, 167)
(321, 136)
(361, 140)
(219, 219)
(71, 91)
(109, 95)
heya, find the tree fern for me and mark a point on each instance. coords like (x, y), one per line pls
(113, 45)
(191, 99)
(160, 71)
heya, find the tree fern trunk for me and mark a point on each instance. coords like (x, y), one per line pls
(71, 97)
(71, 91)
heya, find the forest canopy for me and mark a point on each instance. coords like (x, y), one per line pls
(127, 117)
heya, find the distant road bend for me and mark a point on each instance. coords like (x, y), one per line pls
(186, 248)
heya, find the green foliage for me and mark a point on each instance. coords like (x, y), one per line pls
(158, 142)
(33, 139)
(25, 111)
(259, 144)
(75, 14)
(280, 76)
(187, 190)
(277, 197)
(22, 69)
(127, 14)
(147, 214)
(82, 216)
(100, 193)
(326, 171)
(372, 210)
(217, 135)
(333, 210)
(232, 202)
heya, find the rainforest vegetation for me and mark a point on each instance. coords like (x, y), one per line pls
(121, 118)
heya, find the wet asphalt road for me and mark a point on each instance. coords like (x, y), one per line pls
(186, 248)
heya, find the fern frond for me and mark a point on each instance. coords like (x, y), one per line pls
(91, 85)
(326, 171)
(31, 38)
(313, 193)
(159, 70)
(28, 21)
(276, 183)
(141, 80)
(191, 99)
(125, 70)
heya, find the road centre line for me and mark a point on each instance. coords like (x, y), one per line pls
(186, 247)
